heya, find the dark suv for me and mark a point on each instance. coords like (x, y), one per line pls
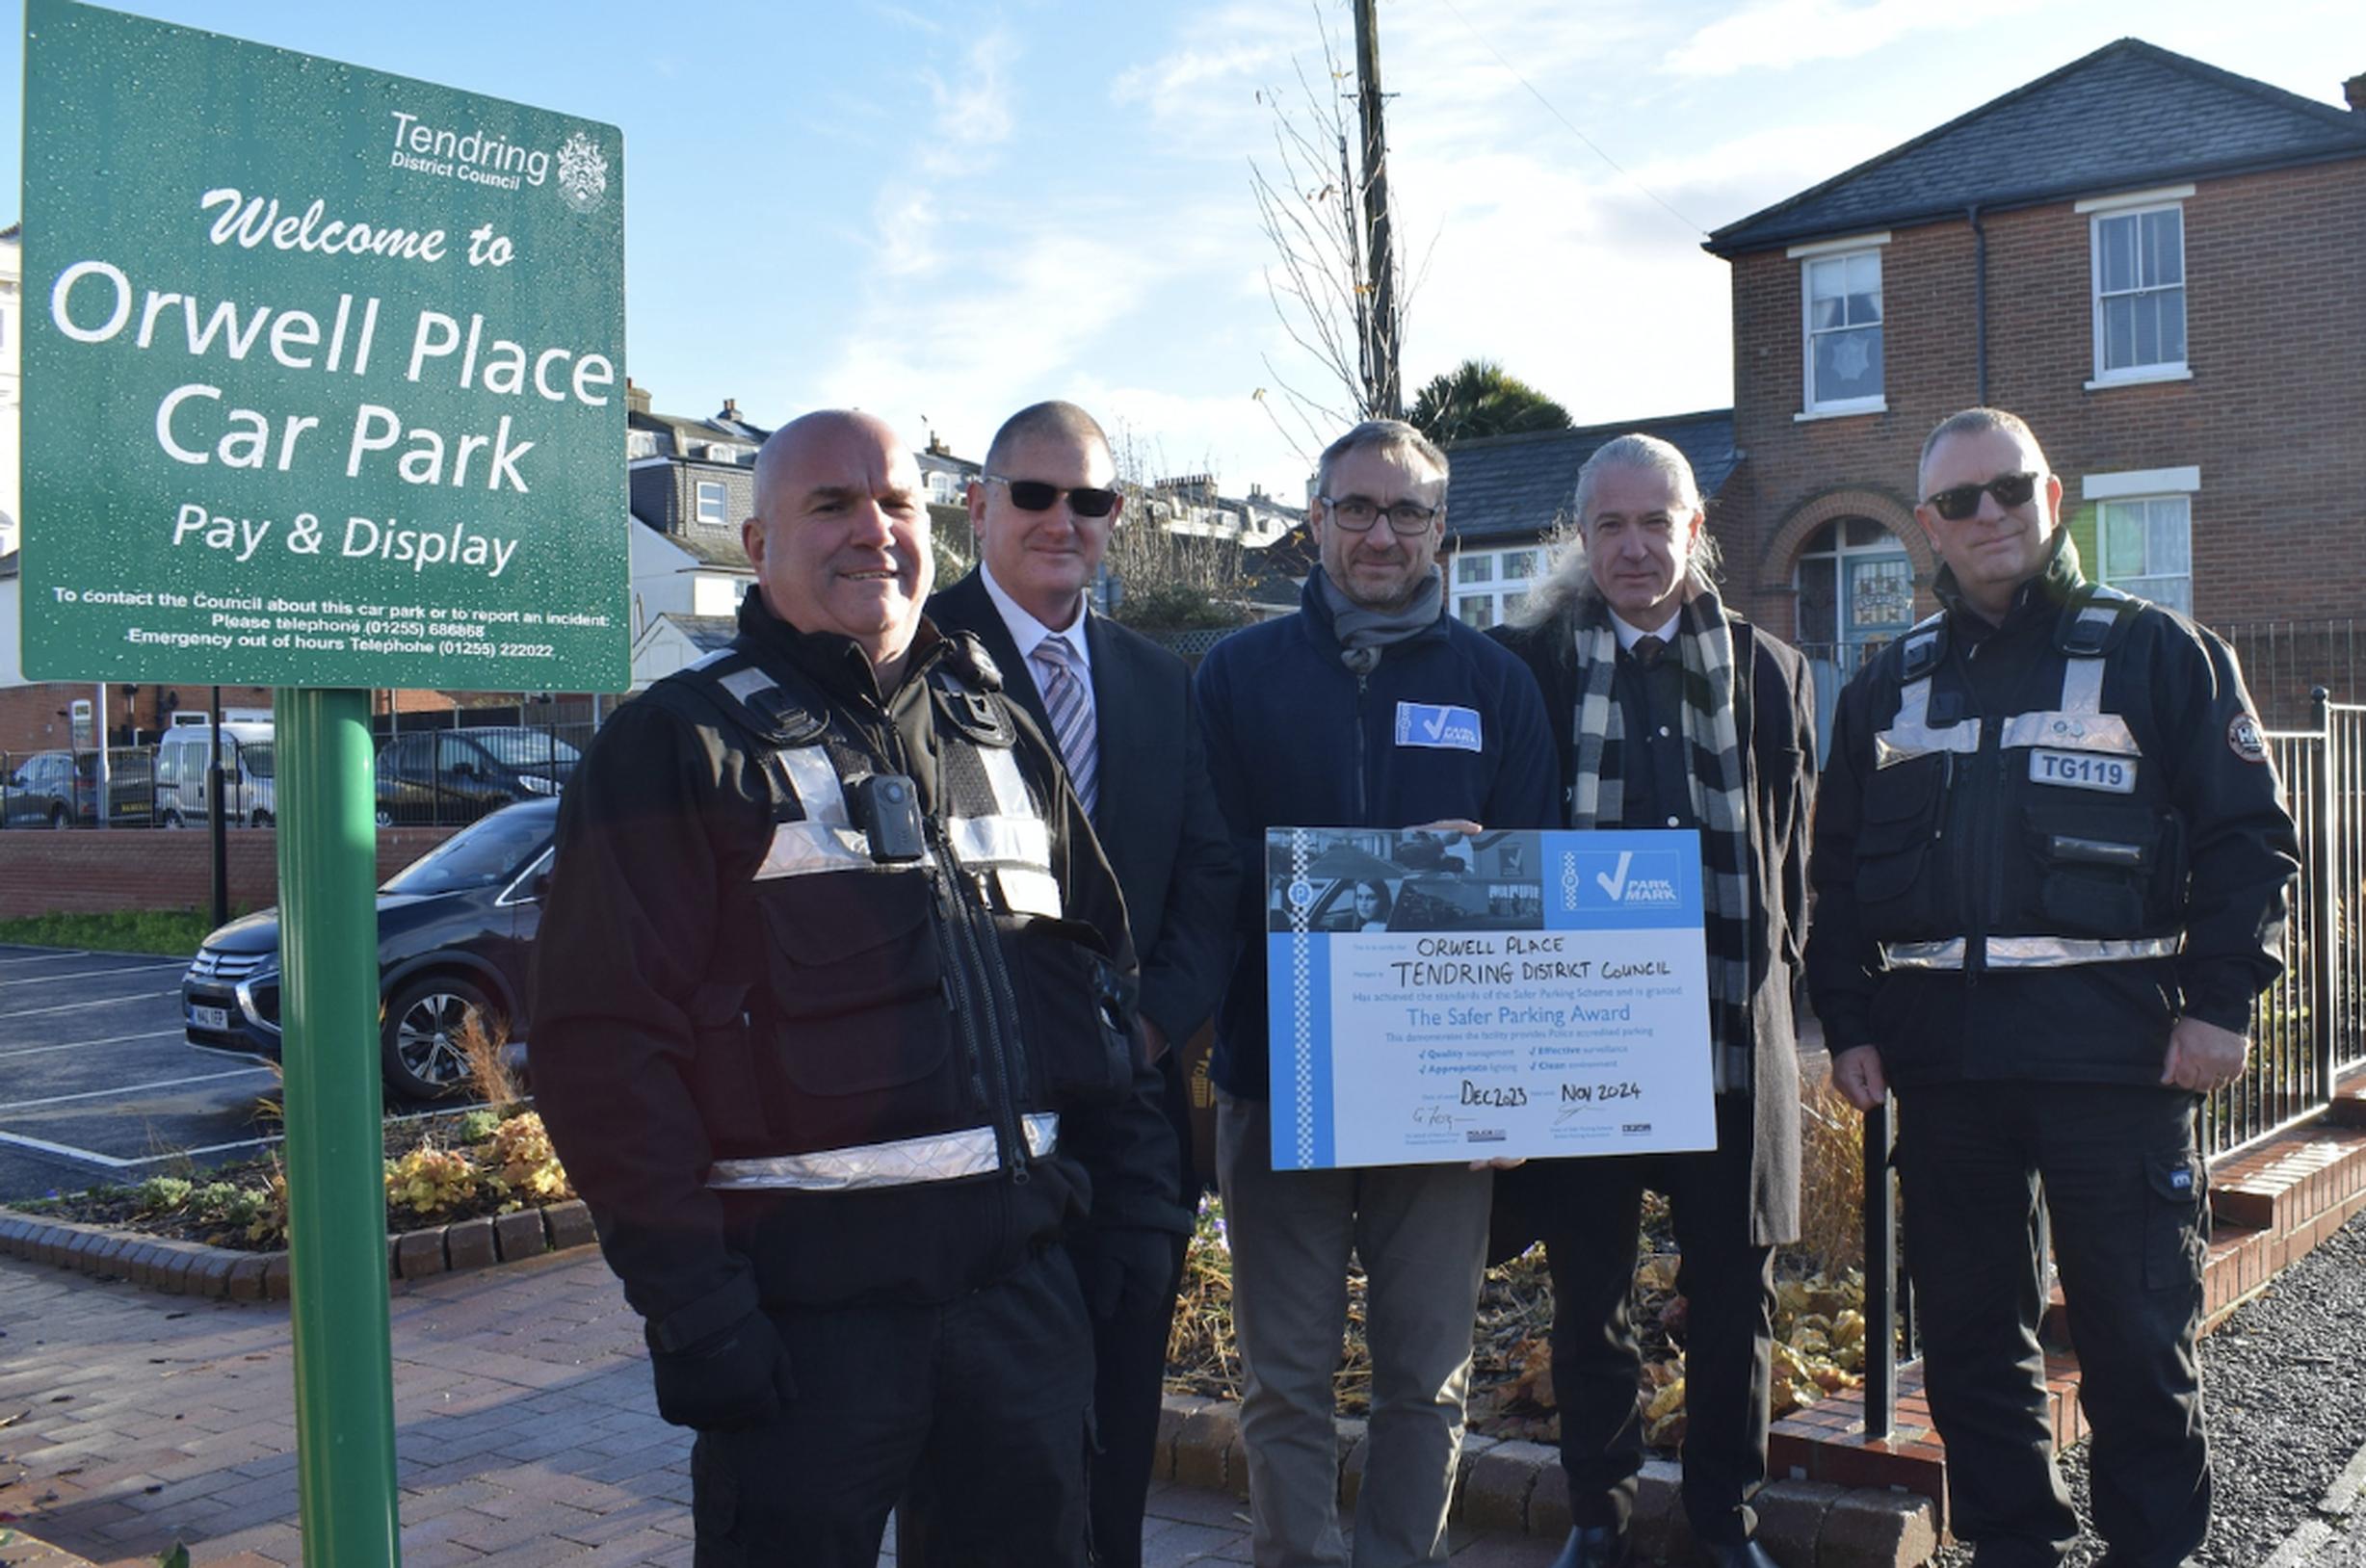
(456, 928)
(60, 789)
(457, 775)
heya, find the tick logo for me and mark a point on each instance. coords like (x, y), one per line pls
(1630, 878)
(1438, 725)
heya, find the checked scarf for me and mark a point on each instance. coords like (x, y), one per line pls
(1721, 797)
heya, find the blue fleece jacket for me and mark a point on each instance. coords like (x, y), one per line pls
(1297, 739)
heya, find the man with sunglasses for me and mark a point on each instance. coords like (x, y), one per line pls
(1119, 708)
(1371, 707)
(2050, 866)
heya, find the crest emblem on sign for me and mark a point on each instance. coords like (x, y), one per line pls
(583, 172)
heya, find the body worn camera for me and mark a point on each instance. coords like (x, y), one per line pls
(887, 808)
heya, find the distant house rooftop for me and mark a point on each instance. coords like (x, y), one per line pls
(1506, 489)
(2130, 115)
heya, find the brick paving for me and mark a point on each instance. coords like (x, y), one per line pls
(525, 1430)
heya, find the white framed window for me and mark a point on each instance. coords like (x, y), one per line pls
(2146, 545)
(2144, 532)
(640, 443)
(2137, 269)
(713, 503)
(1489, 586)
(1841, 326)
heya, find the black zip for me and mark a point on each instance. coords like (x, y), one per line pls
(1363, 807)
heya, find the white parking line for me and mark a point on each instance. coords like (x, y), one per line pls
(100, 973)
(47, 957)
(132, 1088)
(95, 1001)
(120, 1162)
(79, 1045)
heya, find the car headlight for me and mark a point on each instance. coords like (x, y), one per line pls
(537, 784)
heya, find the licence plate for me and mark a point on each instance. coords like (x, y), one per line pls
(214, 1018)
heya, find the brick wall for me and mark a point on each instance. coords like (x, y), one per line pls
(2274, 415)
(89, 872)
(30, 719)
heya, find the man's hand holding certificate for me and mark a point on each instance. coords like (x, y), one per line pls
(1438, 996)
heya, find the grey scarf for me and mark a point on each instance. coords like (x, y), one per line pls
(1363, 633)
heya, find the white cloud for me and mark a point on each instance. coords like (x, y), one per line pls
(973, 110)
(1780, 34)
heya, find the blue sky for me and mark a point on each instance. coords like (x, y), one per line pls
(942, 211)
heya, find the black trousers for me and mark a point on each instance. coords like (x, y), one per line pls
(2125, 1192)
(1129, 1352)
(985, 1401)
(1590, 1212)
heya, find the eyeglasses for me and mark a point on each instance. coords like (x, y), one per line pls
(1035, 495)
(1357, 513)
(1962, 500)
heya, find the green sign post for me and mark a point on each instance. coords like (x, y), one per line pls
(324, 390)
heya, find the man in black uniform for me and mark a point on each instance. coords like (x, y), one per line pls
(2050, 866)
(833, 1029)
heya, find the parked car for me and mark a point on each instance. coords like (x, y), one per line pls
(248, 791)
(456, 930)
(60, 789)
(457, 775)
(40, 791)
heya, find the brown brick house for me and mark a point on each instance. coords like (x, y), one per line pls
(2158, 264)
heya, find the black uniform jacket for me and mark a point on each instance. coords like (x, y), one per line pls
(652, 924)
(1776, 722)
(2218, 852)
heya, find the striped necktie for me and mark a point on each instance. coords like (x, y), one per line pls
(1070, 709)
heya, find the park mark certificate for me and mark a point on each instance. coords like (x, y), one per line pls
(1438, 998)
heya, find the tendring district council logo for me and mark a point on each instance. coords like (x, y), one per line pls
(583, 172)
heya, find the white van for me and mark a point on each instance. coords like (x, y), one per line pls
(247, 768)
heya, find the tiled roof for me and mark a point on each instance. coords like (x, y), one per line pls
(2128, 116)
(1513, 487)
(706, 633)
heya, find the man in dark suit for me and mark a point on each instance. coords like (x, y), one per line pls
(1120, 708)
(1670, 711)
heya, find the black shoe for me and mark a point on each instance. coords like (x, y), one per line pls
(1594, 1546)
(1738, 1555)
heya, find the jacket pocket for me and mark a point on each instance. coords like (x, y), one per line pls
(2101, 867)
(1077, 1010)
(856, 949)
(1900, 821)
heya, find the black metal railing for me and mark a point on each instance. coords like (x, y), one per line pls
(2307, 1029)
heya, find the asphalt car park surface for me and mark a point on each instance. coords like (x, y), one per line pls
(98, 1081)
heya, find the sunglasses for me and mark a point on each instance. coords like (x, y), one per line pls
(1035, 495)
(1961, 501)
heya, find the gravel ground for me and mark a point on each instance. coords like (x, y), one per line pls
(2285, 1379)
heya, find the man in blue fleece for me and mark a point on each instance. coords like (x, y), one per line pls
(1303, 730)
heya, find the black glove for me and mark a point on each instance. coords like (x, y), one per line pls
(1112, 1266)
(735, 1377)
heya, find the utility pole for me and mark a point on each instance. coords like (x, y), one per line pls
(1380, 320)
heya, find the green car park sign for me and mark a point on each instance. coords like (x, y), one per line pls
(323, 390)
(323, 372)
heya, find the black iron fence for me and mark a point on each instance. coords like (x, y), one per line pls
(2307, 1029)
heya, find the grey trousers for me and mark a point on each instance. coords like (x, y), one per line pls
(1421, 1232)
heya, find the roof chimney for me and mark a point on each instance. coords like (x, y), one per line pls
(2355, 89)
(636, 398)
(730, 411)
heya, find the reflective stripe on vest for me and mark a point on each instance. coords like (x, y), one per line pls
(941, 1156)
(1909, 735)
(2032, 952)
(2080, 723)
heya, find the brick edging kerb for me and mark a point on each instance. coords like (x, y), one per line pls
(1518, 1488)
(179, 1267)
